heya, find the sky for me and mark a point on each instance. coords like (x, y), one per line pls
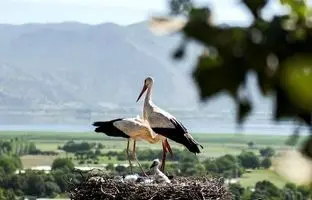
(117, 11)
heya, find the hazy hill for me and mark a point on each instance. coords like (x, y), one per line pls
(79, 65)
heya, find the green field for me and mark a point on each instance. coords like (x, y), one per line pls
(250, 179)
(215, 145)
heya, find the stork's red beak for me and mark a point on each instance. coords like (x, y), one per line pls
(142, 92)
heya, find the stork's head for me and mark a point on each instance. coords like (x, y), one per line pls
(148, 82)
(155, 164)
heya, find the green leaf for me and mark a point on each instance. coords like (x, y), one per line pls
(255, 6)
(212, 76)
(299, 7)
(296, 80)
(306, 148)
(178, 7)
(293, 138)
(244, 108)
(283, 107)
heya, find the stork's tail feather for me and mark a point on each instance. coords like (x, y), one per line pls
(98, 123)
(192, 144)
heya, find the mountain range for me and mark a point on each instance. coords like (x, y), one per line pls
(79, 66)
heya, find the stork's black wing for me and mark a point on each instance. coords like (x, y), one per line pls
(108, 128)
(180, 135)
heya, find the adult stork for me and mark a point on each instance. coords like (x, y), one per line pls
(130, 128)
(165, 124)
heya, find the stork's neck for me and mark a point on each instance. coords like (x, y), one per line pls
(147, 102)
(148, 96)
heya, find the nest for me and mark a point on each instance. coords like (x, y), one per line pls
(106, 187)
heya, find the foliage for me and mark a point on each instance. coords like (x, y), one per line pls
(10, 164)
(267, 152)
(227, 166)
(34, 184)
(52, 189)
(278, 52)
(249, 160)
(237, 191)
(266, 190)
(266, 163)
(73, 147)
(18, 146)
(251, 144)
(62, 164)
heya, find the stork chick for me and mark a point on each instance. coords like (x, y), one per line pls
(158, 175)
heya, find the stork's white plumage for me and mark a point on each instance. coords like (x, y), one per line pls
(159, 177)
(130, 128)
(165, 124)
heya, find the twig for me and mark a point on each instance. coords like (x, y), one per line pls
(110, 195)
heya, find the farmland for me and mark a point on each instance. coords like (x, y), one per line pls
(214, 144)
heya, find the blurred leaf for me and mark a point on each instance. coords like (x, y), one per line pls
(180, 51)
(255, 6)
(243, 102)
(213, 76)
(306, 148)
(293, 138)
(296, 80)
(306, 118)
(244, 108)
(265, 83)
(178, 7)
(299, 7)
(200, 14)
(283, 107)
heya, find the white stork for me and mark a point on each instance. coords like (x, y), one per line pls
(130, 128)
(163, 123)
(158, 175)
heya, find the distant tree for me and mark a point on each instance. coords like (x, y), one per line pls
(61, 178)
(266, 163)
(110, 167)
(266, 190)
(237, 191)
(187, 167)
(249, 160)
(9, 195)
(227, 162)
(9, 164)
(267, 152)
(211, 166)
(62, 164)
(101, 146)
(72, 147)
(2, 195)
(250, 144)
(15, 182)
(34, 184)
(120, 169)
(32, 149)
(200, 169)
(291, 191)
(52, 189)
(305, 191)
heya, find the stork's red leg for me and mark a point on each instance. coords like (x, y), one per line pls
(133, 150)
(163, 160)
(127, 151)
(168, 147)
(134, 156)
